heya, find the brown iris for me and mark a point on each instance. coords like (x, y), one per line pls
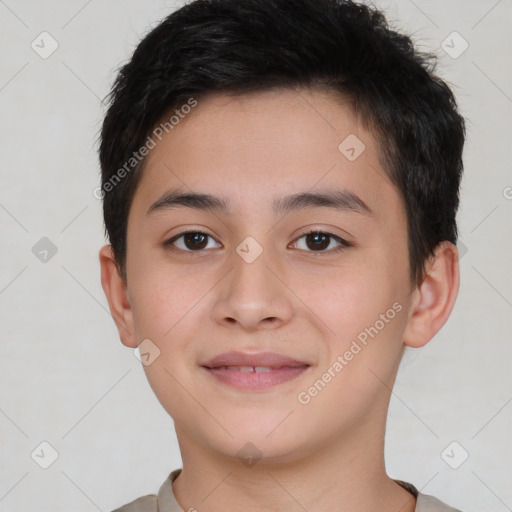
(320, 241)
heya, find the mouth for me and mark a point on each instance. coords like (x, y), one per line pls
(248, 369)
(254, 372)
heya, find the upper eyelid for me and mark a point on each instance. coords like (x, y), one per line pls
(171, 240)
(321, 232)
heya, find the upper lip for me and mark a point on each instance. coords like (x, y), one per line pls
(265, 359)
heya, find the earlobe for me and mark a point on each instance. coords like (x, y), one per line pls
(116, 292)
(435, 297)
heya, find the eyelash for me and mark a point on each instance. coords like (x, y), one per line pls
(343, 243)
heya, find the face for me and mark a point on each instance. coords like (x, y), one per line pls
(250, 278)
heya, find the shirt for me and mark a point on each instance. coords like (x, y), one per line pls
(166, 502)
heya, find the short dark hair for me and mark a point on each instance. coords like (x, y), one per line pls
(244, 46)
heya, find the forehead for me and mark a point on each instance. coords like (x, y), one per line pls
(265, 144)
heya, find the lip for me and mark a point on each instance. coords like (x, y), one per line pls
(278, 369)
(268, 359)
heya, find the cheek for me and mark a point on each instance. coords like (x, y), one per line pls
(349, 300)
(365, 311)
(368, 320)
(163, 297)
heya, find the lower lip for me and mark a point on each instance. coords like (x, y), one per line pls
(255, 381)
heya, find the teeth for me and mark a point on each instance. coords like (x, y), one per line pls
(243, 369)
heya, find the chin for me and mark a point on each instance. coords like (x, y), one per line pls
(268, 439)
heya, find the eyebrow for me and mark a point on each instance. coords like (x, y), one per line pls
(340, 200)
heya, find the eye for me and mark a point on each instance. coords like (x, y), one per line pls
(314, 241)
(319, 241)
(192, 241)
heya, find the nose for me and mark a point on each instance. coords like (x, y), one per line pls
(252, 296)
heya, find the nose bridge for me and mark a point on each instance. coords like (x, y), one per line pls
(252, 293)
(249, 275)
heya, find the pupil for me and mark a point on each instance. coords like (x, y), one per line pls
(194, 239)
(318, 237)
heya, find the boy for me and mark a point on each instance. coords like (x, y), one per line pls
(280, 183)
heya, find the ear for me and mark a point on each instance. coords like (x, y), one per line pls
(434, 298)
(116, 292)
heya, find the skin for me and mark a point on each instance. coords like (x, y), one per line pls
(325, 455)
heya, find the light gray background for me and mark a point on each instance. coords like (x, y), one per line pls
(67, 379)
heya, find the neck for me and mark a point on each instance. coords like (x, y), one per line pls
(340, 475)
